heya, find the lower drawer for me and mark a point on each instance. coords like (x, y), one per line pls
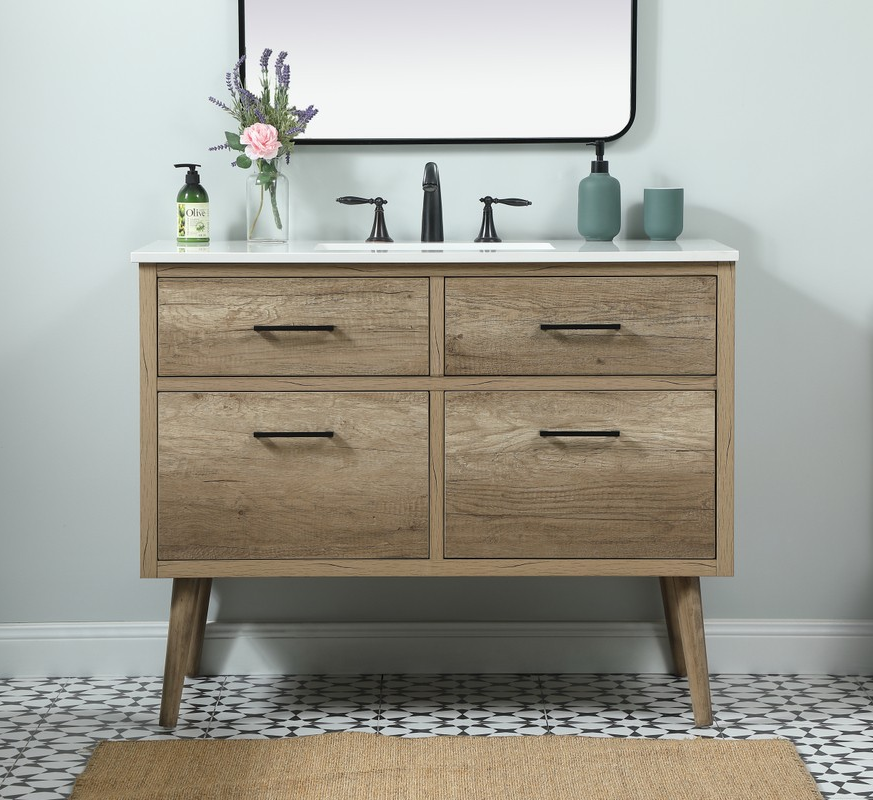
(637, 481)
(224, 493)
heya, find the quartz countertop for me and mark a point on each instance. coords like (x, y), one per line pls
(556, 251)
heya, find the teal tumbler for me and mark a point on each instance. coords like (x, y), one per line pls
(663, 213)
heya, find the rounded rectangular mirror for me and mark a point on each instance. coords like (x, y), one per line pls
(392, 71)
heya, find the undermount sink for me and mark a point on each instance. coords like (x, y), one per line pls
(420, 247)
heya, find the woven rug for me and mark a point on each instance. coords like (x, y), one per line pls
(365, 766)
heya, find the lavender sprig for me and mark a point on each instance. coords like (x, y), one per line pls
(222, 106)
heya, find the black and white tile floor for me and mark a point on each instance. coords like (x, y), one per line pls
(49, 726)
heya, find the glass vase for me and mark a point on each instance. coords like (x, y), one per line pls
(267, 203)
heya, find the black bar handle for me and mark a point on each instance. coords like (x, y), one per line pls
(260, 328)
(581, 326)
(580, 433)
(293, 434)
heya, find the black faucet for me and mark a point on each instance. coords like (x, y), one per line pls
(432, 206)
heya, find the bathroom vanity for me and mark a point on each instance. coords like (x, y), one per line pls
(437, 410)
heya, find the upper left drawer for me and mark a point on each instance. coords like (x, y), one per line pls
(305, 326)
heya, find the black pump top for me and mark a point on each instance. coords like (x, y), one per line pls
(192, 176)
(600, 165)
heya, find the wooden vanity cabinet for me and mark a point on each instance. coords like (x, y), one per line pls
(437, 418)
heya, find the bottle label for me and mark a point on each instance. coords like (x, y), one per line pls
(192, 222)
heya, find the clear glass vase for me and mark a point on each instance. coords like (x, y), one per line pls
(267, 203)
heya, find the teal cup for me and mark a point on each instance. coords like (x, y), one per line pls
(663, 213)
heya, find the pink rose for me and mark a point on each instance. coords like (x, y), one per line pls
(261, 141)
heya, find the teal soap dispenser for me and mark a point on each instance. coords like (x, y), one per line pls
(599, 201)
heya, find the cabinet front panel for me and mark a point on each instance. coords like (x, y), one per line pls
(224, 493)
(311, 326)
(646, 492)
(593, 326)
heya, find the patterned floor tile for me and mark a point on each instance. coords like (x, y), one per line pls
(652, 706)
(300, 706)
(473, 705)
(48, 727)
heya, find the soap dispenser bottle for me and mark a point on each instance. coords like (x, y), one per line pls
(192, 209)
(599, 201)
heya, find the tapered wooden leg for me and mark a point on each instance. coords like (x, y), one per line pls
(204, 587)
(183, 619)
(668, 595)
(690, 614)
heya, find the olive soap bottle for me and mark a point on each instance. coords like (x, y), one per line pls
(192, 209)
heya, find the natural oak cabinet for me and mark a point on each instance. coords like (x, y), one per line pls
(267, 475)
(563, 412)
(584, 474)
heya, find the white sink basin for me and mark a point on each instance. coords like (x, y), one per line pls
(421, 247)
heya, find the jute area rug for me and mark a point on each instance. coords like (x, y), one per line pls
(366, 766)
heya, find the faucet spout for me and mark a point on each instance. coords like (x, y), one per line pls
(432, 205)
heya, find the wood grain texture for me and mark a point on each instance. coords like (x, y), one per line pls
(674, 633)
(437, 325)
(181, 634)
(205, 326)
(195, 653)
(444, 268)
(689, 611)
(667, 326)
(223, 494)
(148, 427)
(437, 474)
(432, 568)
(376, 383)
(725, 418)
(649, 493)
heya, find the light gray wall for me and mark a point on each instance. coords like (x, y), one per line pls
(760, 110)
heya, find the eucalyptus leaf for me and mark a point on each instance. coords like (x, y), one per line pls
(233, 141)
(242, 160)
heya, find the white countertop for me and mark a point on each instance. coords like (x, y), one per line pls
(570, 250)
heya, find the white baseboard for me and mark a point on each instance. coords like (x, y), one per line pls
(734, 646)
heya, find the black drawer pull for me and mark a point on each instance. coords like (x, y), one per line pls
(260, 328)
(581, 326)
(293, 434)
(580, 433)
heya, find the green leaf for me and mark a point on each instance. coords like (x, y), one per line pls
(243, 161)
(233, 141)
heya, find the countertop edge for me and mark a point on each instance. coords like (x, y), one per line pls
(570, 251)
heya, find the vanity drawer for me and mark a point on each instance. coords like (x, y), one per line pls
(623, 326)
(224, 493)
(648, 492)
(379, 326)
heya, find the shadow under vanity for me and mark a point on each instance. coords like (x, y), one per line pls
(429, 411)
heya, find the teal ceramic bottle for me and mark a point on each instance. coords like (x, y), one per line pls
(192, 209)
(599, 201)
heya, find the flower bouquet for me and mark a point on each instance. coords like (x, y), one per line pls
(268, 125)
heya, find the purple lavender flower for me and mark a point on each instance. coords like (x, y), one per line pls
(237, 83)
(281, 68)
(221, 105)
(224, 146)
(305, 117)
(285, 80)
(265, 58)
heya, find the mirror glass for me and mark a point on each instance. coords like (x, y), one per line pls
(395, 71)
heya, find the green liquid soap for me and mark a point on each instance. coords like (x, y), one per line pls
(192, 209)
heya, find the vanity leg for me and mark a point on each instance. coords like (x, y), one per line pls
(183, 618)
(690, 613)
(204, 587)
(671, 616)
